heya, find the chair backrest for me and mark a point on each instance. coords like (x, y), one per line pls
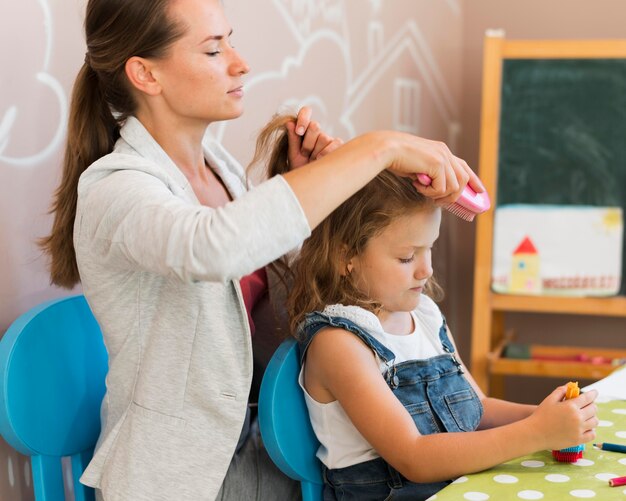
(284, 422)
(53, 365)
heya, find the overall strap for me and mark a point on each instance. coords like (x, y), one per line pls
(443, 337)
(448, 347)
(316, 321)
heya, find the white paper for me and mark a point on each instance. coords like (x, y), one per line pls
(612, 387)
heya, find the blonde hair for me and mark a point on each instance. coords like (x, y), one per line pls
(318, 273)
(101, 101)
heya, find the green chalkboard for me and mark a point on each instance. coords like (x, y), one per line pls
(563, 133)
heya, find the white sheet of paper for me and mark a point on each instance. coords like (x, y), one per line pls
(612, 387)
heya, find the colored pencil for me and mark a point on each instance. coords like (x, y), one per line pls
(617, 481)
(611, 447)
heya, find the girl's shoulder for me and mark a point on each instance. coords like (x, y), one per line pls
(360, 316)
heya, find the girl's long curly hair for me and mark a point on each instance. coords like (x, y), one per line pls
(318, 274)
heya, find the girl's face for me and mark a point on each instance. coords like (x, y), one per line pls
(201, 75)
(396, 263)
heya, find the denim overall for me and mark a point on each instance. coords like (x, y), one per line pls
(435, 393)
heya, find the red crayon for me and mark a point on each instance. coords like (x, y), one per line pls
(617, 481)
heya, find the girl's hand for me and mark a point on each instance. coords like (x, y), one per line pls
(307, 142)
(566, 423)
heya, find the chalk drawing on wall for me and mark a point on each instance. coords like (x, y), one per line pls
(268, 89)
(455, 6)
(406, 105)
(304, 17)
(14, 111)
(402, 69)
(376, 4)
(375, 38)
(27, 472)
(10, 473)
(408, 40)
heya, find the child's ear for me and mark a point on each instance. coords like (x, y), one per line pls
(347, 269)
(346, 264)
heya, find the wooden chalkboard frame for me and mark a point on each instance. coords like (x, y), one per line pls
(489, 308)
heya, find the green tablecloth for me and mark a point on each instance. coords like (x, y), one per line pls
(538, 476)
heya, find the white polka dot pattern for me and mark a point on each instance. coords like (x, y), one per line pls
(539, 476)
(530, 494)
(475, 496)
(606, 476)
(557, 478)
(505, 479)
(533, 464)
(583, 493)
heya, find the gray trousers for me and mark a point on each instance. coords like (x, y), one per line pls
(252, 476)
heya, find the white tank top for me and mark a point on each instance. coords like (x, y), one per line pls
(341, 443)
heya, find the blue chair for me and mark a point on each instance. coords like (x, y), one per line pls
(53, 365)
(284, 422)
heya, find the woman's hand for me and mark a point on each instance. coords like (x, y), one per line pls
(307, 141)
(565, 423)
(449, 173)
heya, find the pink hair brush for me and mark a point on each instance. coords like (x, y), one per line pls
(468, 205)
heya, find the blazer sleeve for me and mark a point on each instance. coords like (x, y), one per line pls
(132, 220)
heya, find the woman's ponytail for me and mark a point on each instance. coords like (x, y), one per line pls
(92, 131)
(101, 101)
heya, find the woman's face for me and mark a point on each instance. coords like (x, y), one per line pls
(201, 75)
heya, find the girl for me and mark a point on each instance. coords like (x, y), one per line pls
(396, 411)
(161, 228)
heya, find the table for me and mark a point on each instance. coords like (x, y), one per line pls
(539, 476)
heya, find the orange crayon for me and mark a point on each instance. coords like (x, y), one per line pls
(570, 454)
(572, 390)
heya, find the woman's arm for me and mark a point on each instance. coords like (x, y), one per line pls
(324, 184)
(339, 366)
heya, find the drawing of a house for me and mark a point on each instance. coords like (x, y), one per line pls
(403, 70)
(525, 276)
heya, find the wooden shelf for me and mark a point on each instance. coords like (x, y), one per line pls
(606, 306)
(564, 369)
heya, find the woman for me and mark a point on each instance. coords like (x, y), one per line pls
(160, 229)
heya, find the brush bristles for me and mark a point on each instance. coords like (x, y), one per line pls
(460, 211)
